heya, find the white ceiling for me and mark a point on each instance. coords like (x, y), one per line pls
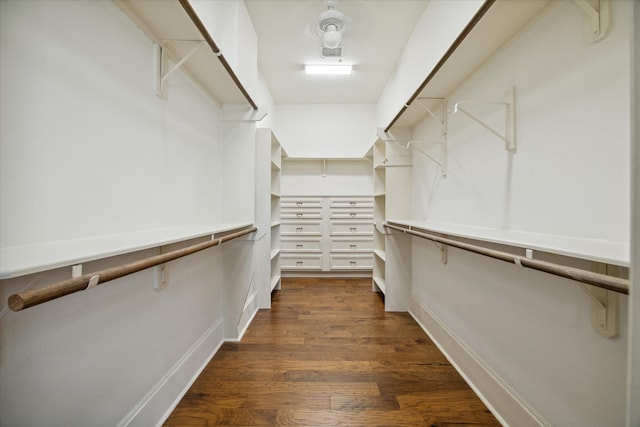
(372, 43)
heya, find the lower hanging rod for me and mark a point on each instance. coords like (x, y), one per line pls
(33, 297)
(604, 281)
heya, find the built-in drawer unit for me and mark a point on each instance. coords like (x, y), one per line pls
(327, 233)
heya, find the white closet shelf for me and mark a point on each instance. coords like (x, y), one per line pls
(380, 254)
(604, 251)
(380, 283)
(499, 23)
(274, 282)
(168, 21)
(21, 260)
(274, 253)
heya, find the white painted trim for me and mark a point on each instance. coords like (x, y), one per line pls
(344, 274)
(170, 389)
(506, 404)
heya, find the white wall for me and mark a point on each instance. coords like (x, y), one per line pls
(440, 24)
(326, 130)
(338, 177)
(570, 177)
(86, 149)
(231, 28)
(633, 410)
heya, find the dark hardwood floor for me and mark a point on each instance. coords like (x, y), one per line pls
(327, 354)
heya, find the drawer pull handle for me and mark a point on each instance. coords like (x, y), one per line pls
(352, 214)
(298, 229)
(299, 214)
(298, 246)
(353, 246)
(298, 203)
(298, 262)
(352, 262)
(353, 229)
(352, 203)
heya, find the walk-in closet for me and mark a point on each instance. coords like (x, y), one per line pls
(197, 228)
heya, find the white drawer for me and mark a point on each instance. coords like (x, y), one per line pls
(351, 245)
(301, 245)
(352, 227)
(352, 213)
(301, 262)
(300, 228)
(351, 202)
(351, 262)
(296, 213)
(300, 202)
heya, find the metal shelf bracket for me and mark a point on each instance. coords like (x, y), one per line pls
(509, 134)
(442, 162)
(598, 13)
(160, 76)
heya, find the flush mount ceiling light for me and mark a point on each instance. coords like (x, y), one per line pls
(328, 69)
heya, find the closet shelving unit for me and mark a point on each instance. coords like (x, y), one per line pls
(492, 26)
(175, 26)
(277, 154)
(269, 155)
(391, 171)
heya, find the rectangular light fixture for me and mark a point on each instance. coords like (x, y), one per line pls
(328, 69)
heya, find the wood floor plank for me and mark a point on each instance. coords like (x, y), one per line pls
(328, 354)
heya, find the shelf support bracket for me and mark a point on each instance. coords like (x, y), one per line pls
(509, 135)
(598, 12)
(161, 273)
(604, 310)
(160, 63)
(243, 113)
(444, 252)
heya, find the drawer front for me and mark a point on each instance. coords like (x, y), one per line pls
(351, 262)
(351, 245)
(352, 227)
(301, 245)
(352, 213)
(301, 202)
(301, 262)
(300, 213)
(351, 202)
(301, 228)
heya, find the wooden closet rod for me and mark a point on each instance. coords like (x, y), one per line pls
(216, 50)
(33, 297)
(465, 32)
(604, 281)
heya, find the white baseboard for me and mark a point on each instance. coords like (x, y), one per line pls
(507, 406)
(156, 406)
(344, 274)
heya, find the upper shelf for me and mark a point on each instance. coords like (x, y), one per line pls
(603, 251)
(21, 260)
(175, 21)
(496, 22)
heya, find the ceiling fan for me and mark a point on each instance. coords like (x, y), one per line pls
(330, 27)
